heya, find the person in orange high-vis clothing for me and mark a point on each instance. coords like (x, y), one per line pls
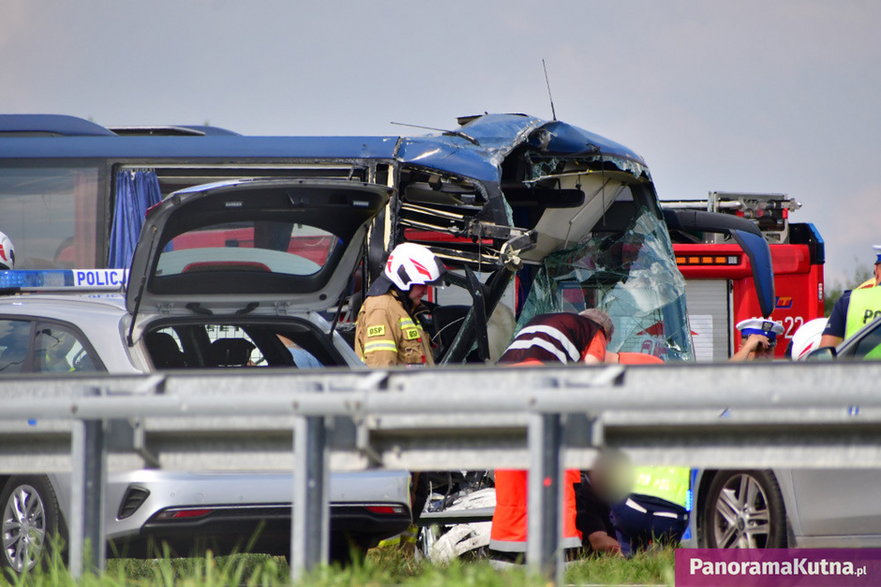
(547, 338)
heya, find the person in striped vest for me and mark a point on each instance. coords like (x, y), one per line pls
(546, 339)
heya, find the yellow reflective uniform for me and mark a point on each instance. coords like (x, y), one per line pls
(863, 307)
(386, 335)
(669, 483)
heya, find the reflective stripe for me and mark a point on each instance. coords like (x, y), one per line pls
(380, 345)
(508, 545)
(572, 350)
(632, 504)
(540, 342)
(520, 545)
(407, 323)
(666, 515)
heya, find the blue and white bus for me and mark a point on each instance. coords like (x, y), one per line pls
(570, 218)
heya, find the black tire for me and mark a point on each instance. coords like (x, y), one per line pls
(743, 509)
(31, 523)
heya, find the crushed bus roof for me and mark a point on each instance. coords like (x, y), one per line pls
(474, 150)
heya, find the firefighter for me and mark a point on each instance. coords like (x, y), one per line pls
(387, 331)
(758, 337)
(547, 338)
(7, 253)
(388, 334)
(855, 308)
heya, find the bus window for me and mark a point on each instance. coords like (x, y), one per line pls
(51, 214)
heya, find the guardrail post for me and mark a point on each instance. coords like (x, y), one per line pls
(543, 554)
(88, 549)
(310, 524)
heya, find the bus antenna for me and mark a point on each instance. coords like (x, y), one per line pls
(548, 83)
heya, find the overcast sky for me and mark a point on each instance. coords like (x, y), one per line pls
(755, 96)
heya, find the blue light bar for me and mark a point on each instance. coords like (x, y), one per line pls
(84, 279)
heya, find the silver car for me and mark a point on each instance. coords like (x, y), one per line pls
(232, 275)
(796, 508)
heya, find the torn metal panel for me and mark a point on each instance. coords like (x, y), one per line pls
(492, 137)
(510, 170)
(567, 141)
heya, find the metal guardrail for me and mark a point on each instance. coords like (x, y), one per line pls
(543, 418)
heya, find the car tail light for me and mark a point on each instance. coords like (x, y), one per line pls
(386, 509)
(131, 501)
(183, 513)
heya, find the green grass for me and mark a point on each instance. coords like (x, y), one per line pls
(381, 568)
(647, 568)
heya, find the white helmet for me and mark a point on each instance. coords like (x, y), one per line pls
(7, 252)
(410, 264)
(807, 338)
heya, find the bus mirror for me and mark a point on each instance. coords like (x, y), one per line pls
(756, 248)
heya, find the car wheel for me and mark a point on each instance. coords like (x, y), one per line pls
(744, 509)
(31, 522)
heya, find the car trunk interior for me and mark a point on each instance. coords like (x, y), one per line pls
(223, 344)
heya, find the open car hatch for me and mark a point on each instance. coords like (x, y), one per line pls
(251, 246)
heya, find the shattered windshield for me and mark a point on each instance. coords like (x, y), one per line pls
(632, 275)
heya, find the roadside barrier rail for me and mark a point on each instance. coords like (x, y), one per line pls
(459, 418)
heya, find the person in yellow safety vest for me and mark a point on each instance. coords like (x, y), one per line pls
(656, 506)
(655, 510)
(387, 332)
(855, 308)
(548, 338)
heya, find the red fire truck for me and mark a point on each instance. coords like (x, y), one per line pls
(720, 290)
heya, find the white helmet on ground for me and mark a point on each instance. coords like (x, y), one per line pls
(410, 264)
(7, 252)
(807, 338)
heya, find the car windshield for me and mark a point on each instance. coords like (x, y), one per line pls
(261, 246)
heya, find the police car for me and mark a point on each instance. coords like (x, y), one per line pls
(228, 275)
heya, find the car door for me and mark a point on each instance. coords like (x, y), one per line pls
(842, 502)
(838, 503)
(62, 349)
(15, 340)
(29, 345)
